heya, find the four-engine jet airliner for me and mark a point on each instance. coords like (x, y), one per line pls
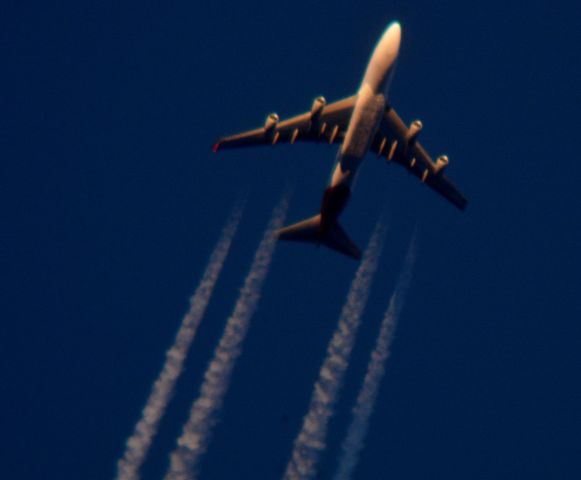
(363, 122)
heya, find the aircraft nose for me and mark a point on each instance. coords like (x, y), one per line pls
(392, 39)
(383, 60)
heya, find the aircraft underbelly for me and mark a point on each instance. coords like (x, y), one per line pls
(365, 120)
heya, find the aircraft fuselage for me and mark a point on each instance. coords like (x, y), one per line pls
(365, 119)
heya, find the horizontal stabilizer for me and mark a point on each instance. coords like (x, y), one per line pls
(310, 231)
(304, 231)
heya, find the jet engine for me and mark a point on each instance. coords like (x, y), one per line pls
(413, 131)
(270, 128)
(441, 163)
(270, 123)
(317, 107)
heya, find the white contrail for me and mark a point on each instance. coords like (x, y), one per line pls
(310, 441)
(193, 442)
(138, 444)
(367, 396)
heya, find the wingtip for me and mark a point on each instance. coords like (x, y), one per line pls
(215, 147)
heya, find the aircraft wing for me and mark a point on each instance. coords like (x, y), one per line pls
(325, 122)
(396, 142)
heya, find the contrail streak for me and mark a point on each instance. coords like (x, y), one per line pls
(138, 444)
(310, 442)
(367, 396)
(193, 442)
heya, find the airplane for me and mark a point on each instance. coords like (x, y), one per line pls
(364, 122)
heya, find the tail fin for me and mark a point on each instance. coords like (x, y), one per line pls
(310, 231)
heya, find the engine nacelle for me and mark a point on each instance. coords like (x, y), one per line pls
(317, 107)
(270, 123)
(413, 131)
(441, 163)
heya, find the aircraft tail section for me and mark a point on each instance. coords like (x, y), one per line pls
(310, 230)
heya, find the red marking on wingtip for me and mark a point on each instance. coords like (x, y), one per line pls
(215, 147)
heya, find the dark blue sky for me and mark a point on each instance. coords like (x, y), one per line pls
(113, 202)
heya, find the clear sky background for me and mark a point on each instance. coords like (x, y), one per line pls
(113, 201)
